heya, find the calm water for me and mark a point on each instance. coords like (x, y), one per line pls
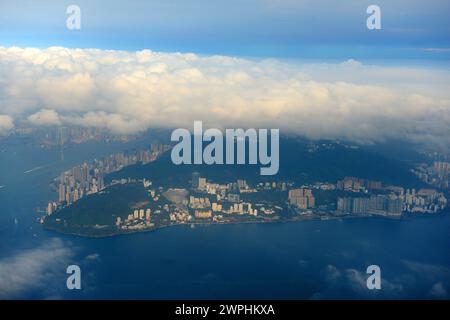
(307, 260)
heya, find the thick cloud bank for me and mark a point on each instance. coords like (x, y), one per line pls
(32, 270)
(128, 92)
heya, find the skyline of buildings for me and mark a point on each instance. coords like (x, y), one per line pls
(87, 179)
(210, 201)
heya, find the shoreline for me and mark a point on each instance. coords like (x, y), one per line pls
(199, 223)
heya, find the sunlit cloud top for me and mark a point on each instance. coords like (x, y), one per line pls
(129, 92)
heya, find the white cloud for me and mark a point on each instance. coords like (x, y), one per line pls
(437, 50)
(93, 257)
(45, 117)
(6, 124)
(34, 269)
(439, 291)
(332, 274)
(358, 282)
(128, 92)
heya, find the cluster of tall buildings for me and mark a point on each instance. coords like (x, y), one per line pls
(119, 160)
(199, 183)
(86, 179)
(138, 215)
(54, 136)
(442, 167)
(393, 200)
(75, 184)
(230, 208)
(203, 213)
(302, 198)
(242, 208)
(424, 200)
(180, 216)
(79, 181)
(375, 204)
(230, 205)
(437, 175)
(356, 184)
(274, 185)
(199, 202)
(440, 176)
(224, 198)
(228, 191)
(227, 198)
(394, 203)
(138, 219)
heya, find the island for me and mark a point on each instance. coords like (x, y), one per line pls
(143, 191)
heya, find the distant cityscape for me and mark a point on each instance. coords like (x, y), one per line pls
(395, 200)
(58, 136)
(437, 175)
(209, 201)
(206, 201)
(87, 179)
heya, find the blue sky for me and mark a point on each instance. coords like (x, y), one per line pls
(360, 85)
(319, 29)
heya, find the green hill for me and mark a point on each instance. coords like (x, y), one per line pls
(299, 162)
(96, 214)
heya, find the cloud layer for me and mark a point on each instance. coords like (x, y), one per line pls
(6, 123)
(129, 92)
(412, 281)
(34, 270)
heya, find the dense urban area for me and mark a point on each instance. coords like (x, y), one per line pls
(206, 201)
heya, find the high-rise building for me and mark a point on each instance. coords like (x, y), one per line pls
(62, 193)
(242, 184)
(378, 203)
(353, 205)
(360, 205)
(394, 206)
(85, 173)
(441, 166)
(356, 184)
(195, 180)
(344, 205)
(49, 208)
(202, 184)
(216, 207)
(76, 195)
(302, 198)
(68, 196)
(232, 197)
(202, 214)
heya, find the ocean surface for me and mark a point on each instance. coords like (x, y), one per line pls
(292, 260)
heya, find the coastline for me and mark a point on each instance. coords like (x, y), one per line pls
(208, 223)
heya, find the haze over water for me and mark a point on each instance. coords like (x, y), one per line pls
(317, 259)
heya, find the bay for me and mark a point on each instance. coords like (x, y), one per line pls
(292, 260)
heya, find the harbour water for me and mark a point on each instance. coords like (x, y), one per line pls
(292, 260)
